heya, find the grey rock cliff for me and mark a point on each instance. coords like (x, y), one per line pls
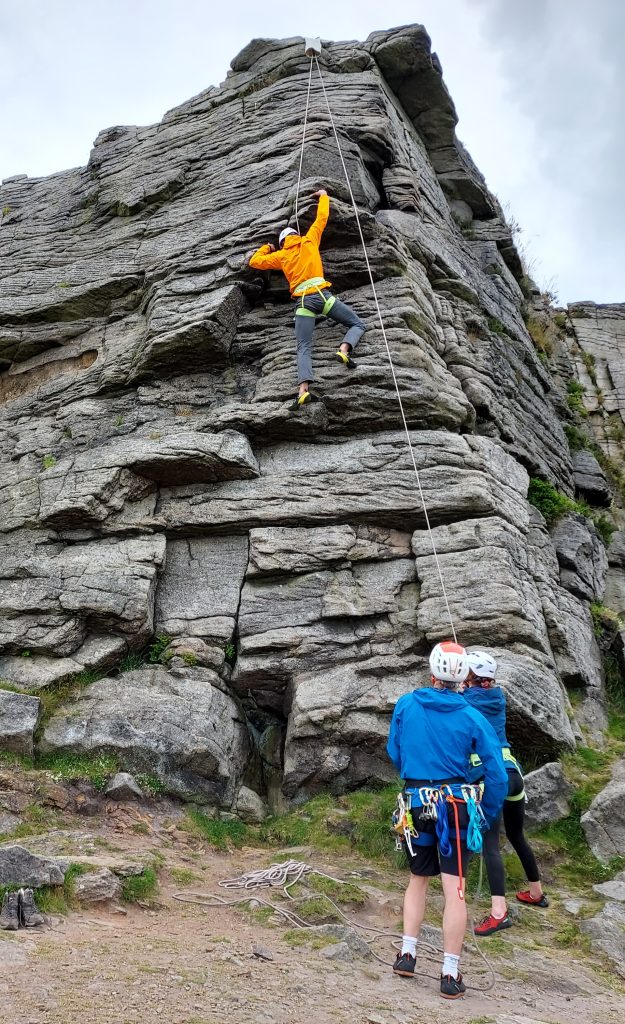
(154, 480)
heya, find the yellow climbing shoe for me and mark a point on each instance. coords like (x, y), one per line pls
(300, 402)
(346, 359)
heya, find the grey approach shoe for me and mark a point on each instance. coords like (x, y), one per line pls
(9, 915)
(28, 911)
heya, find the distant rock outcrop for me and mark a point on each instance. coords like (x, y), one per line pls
(154, 480)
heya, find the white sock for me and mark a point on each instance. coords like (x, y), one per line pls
(450, 964)
(409, 945)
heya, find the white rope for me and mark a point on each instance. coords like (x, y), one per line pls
(301, 155)
(287, 874)
(388, 352)
(276, 875)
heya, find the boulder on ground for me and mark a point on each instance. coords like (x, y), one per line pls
(606, 931)
(250, 807)
(614, 889)
(344, 935)
(604, 821)
(20, 867)
(97, 886)
(185, 731)
(123, 786)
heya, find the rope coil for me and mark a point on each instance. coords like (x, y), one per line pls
(287, 874)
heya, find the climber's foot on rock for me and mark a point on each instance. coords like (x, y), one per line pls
(301, 401)
(346, 359)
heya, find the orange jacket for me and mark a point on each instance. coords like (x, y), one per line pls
(299, 259)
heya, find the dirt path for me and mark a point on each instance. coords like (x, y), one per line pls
(184, 964)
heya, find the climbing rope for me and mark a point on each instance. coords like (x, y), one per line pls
(301, 155)
(288, 874)
(388, 350)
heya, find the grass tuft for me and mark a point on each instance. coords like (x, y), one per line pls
(150, 784)
(495, 325)
(575, 394)
(64, 765)
(339, 892)
(158, 648)
(302, 937)
(64, 692)
(223, 835)
(140, 888)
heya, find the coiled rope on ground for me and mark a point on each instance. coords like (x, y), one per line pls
(287, 874)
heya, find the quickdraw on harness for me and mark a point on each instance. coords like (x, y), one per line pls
(433, 805)
(403, 825)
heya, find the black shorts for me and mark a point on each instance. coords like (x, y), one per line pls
(428, 860)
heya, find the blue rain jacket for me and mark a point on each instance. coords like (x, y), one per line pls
(490, 702)
(433, 734)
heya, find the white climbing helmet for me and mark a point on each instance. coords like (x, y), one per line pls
(283, 234)
(448, 662)
(482, 664)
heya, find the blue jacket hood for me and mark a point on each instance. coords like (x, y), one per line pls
(433, 734)
(491, 702)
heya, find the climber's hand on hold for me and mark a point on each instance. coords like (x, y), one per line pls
(271, 246)
(320, 193)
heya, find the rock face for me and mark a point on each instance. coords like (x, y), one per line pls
(155, 482)
(548, 793)
(19, 715)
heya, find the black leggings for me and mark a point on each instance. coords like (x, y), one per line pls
(513, 817)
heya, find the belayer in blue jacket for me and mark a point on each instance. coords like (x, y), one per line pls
(432, 737)
(483, 694)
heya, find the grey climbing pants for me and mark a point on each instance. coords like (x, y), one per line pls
(305, 327)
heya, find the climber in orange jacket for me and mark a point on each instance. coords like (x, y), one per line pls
(300, 261)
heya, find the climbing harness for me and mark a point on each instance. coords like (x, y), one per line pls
(304, 289)
(285, 875)
(509, 759)
(432, 805)
(313, 51)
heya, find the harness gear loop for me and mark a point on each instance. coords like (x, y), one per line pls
(403, 824)
(388, 352)
(472, 796)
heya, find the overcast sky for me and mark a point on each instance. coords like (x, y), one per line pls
(539, 86)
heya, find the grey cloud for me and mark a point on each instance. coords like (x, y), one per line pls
(563, 66)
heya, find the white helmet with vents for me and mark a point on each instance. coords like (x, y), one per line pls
(482, 664)
(448, 662)
(284, 234)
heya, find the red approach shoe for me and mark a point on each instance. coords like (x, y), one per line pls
(533, 901)
(490, 924)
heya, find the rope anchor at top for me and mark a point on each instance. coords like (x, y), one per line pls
(313, 50)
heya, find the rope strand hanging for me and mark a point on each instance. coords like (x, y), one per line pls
(301, 155)
(381, 320)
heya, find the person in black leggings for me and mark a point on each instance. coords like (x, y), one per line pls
(481, 691)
